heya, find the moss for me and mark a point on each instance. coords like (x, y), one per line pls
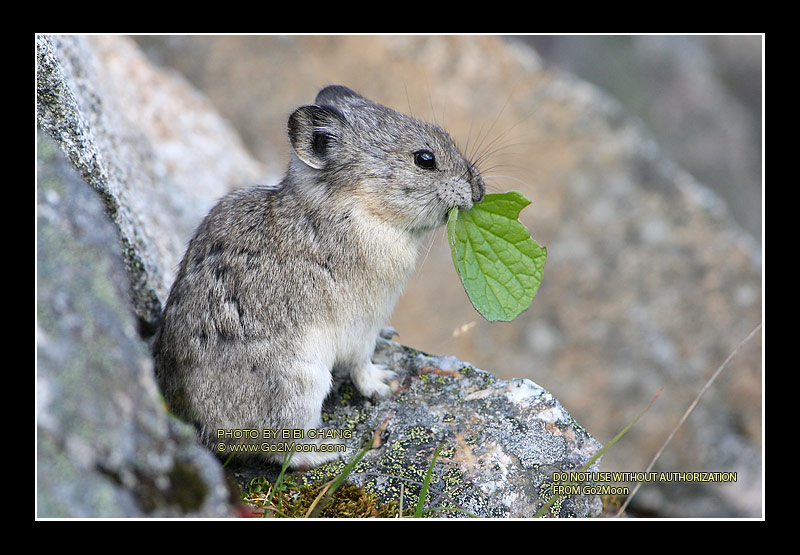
(293, 499)
(402, 482)
(187, 487)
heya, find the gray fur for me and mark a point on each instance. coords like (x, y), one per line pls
(281, 284)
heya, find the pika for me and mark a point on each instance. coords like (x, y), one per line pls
(281, 284)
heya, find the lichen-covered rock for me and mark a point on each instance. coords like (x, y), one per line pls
(105, 445)
(500, 441)
(147, 142)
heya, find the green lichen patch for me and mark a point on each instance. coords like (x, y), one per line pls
(419, 435)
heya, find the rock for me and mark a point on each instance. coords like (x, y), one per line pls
(150, 150)
(106, 446)
(649, 281)
(700, 95)
(502, 442)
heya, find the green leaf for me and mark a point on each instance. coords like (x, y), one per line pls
(498, 262)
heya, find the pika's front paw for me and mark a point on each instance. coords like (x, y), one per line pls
(374, 380)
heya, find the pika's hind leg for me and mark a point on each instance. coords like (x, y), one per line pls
(295, 415)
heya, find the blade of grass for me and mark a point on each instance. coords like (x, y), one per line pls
(278, 486)
(312, 512)
(233, 453)
(423, 493)
(686, 414)
(453, 509)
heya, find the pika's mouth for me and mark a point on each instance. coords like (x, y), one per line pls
(446, 214)
(463, 206)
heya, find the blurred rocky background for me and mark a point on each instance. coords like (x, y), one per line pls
(641, 156)
(700, 97)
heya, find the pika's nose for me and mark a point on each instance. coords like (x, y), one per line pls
(478, 188)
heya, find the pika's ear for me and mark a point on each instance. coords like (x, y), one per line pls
(314, 132)
(336, 94)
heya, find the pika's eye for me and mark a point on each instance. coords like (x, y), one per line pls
(425, 159)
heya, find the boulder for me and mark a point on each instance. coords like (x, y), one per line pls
(105, 446)
(147, 142)
(503, 444)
